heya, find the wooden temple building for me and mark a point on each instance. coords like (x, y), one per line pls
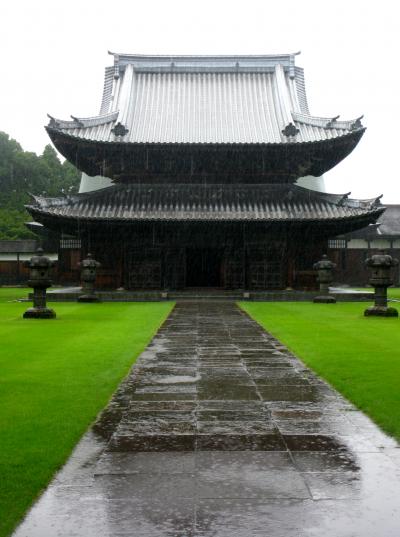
(202, 156)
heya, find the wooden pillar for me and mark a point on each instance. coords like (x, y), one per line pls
(244, 239)
(290, 270)
(18, 268)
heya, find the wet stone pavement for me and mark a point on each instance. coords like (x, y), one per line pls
(219, 431)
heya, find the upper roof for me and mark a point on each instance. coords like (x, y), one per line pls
(205, 100)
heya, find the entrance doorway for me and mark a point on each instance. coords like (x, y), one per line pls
(203, 267)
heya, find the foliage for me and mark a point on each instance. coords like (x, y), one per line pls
(358, 355)
(12, 224)
(50, 393)
(23, 172)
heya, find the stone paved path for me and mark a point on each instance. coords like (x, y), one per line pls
(219, 431)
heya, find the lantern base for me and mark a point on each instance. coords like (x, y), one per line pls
(327, 299)
(381, 311)
(39, 313)
(88, 298)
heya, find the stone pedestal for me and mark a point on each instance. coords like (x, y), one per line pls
(39, 313)
(378, 311)
(381, 278)
(39, 266)
(324, 267)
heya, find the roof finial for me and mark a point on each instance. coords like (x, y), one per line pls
(343, 199)
(53, 123)
(77, 120)
(357, 123)
(332, 121)
(377, 201)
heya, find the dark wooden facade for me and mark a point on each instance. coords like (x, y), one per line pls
(224, 255)
(178, 236)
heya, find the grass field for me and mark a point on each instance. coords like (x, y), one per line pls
(394, 292)
(359, 356)
(8, 294)
(56, 375)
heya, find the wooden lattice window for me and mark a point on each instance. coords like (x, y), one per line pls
(70, 244)
(337, 244)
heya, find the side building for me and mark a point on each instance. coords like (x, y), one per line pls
(203, 155)
(351, 250)
(14, 254)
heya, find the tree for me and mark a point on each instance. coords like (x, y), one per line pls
(23, 172)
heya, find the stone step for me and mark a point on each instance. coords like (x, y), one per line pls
(206, 295)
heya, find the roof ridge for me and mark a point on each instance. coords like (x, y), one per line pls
(204, 63)
(203, 56)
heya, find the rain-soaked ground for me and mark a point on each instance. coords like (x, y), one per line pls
(220, 431)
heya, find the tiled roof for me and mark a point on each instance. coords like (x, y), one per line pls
(205, 203)
(205, 100)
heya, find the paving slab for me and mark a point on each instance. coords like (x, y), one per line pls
(219, 431)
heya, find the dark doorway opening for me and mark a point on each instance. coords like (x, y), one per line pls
(203, 267)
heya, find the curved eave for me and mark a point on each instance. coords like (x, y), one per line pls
(54, 132)
(43, 216)
(308, 158)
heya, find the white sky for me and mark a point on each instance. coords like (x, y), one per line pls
(53, 54)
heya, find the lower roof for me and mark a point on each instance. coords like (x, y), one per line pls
(194, 202)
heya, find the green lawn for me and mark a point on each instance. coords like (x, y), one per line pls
(394, 292)
(359, 356)
(8, 294)
(56, 375)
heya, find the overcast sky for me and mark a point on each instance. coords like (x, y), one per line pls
(53, 56)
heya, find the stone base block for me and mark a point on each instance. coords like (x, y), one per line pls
(381, 311)
(324, 299)
(39, 313)
(88, 298)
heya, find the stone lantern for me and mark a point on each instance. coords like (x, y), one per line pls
(88, 268)
(381, 278)
(324, 267)
(39, 278)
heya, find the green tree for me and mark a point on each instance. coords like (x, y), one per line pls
(23, 172)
